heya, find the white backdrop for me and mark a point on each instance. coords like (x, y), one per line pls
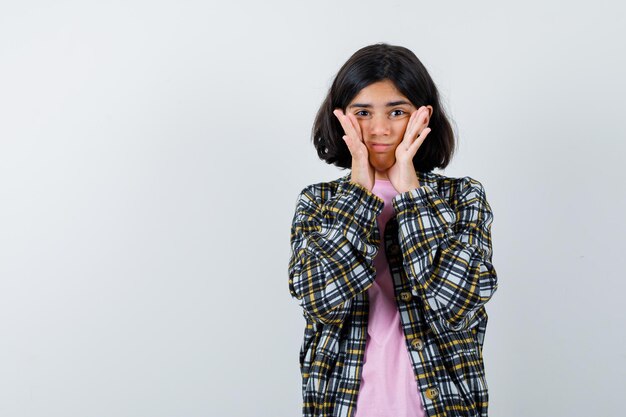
(151, 153)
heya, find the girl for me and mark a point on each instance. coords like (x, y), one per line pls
(391, 263)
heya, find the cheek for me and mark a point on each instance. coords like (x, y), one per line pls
(400, 127)
(363, 125)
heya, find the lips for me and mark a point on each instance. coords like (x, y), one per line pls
(381, 147)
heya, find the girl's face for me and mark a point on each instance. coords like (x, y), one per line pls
(383, 114)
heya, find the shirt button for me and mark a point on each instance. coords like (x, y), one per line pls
(432, 393)
(394, 249)
(406, 296)
(417, 344)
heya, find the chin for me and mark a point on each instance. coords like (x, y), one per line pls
(382, 165)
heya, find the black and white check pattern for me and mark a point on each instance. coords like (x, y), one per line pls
(438, 244)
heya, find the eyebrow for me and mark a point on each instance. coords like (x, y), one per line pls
(390, 104)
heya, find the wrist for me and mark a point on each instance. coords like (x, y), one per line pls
(361, 185)
(410, 187)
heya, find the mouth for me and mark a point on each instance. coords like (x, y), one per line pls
(380, 147)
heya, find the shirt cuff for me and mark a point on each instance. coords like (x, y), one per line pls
(425, 199)
(415, 198)
(368, 201)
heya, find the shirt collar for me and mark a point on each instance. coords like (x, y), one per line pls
(425, 178)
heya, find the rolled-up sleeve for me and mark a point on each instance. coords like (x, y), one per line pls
(333, 245)
(447, 252)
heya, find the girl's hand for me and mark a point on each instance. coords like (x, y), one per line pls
(362, 170)
(402, 174)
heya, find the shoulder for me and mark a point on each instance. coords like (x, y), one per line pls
(452, 187)
(319, 192)
(324, 190)
(459, 192)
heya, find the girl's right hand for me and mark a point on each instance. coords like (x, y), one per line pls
(362, 170)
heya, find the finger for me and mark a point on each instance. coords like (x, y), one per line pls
(423, 118)
(411, 129)
(341, 117)
(345, 123)
(356, 126)
(346, 139)
(355, 133)
(417, 124)
(418, 141)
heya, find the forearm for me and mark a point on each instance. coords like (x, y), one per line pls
(333, 247)
(447, 252)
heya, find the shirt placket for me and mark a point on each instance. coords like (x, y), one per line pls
(412, 321)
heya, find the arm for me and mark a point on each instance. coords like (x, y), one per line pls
(447, 252)
(333, 245)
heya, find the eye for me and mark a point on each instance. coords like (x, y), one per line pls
(397, 112)
(362, 113)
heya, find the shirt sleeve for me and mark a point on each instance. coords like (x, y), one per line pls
(447, 252)
(333, 245)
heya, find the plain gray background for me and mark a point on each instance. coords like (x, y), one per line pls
(151, 153)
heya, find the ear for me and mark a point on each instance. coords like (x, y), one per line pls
(430, 112)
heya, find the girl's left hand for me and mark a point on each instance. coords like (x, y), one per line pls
(402, 174)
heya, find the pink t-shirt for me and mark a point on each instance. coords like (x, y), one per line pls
(388, 385)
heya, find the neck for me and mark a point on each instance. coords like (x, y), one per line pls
(380, 176)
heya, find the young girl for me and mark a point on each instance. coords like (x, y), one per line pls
(391, 263)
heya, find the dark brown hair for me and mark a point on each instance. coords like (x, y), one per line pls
(368, 65)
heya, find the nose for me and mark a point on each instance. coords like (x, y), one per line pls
(379, 125)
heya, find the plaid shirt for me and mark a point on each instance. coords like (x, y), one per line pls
(438, 245)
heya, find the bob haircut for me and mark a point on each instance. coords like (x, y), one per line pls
(366, 66)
